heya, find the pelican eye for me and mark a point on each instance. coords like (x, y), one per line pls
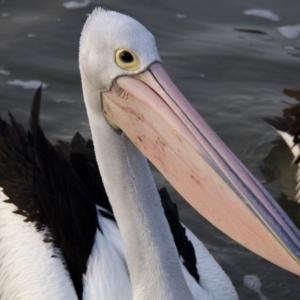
(127, 60)
(126, 57)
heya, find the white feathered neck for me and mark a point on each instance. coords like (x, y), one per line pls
(151, 255)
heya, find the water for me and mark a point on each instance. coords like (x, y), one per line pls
(231, 66)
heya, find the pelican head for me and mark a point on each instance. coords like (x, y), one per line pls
(124, 81)
(114, 45)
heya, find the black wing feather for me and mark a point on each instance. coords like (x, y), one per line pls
(39, 180)
(184, 247)
(290, 122)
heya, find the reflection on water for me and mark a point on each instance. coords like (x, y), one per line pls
(234, 78)
(277, 168)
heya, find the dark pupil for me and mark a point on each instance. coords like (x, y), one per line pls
(126, 57)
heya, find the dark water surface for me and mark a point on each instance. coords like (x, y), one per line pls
(232, 77)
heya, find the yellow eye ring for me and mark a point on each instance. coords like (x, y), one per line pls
(127, 60)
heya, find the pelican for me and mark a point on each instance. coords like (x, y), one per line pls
(66, 235)
(288, 128)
